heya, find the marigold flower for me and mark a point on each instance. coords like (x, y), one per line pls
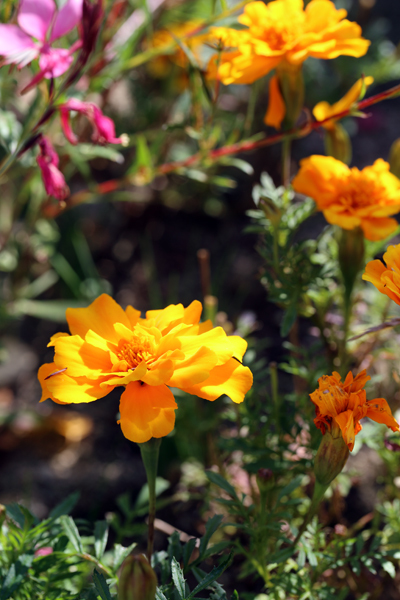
(386, 278)
(324, 110)
(163, 39)
(283, 30)
(40, 20)
(339, 406)
(110, 347)
(351, 198)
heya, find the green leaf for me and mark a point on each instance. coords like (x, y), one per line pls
(65, 506)
(288, 319)
(160, 595)
(281, 555)
(389, 568)
(90, 151)
(211, 527)
(15, 513)
(71, 531)
(188, 551)
(290, 487)
(15, 575)
(143, 497)
(101, 585)
(39, 285)
(100, 538)
(120, 553)
(52, 310)
(178, 578)
(222, 483)
(212, 576)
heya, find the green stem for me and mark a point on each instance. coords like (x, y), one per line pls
(319, 491)
(150, 452)
(286, 148)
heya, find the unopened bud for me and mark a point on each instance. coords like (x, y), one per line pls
(271, 211)
(394, 158)
(351, 255)
(137, 580)
(338, 144)
(291, 85)
(330, 459)
(264, 479)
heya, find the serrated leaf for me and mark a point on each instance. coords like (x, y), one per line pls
(160, 595)
(72, 533)
(178, 578)
(188, 551)
(211, 527)
(222, 483)
(121, 552)
(65, 506)
(100, 538)
(212, 576)
(101, 585)
(15, 513)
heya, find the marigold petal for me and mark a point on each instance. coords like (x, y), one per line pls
(345, 420)
(276, 106)
(116, 378)
(146, 412)
(133, 315)
(194, 369)
(377, 229)
(81, 358)
(55, 337)
(373, 273)
(63, 389)
(232, 379)
(100, 316)
(44, 372)
(379, 411)
(216, 340)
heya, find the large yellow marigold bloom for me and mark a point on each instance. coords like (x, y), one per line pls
(351, 198)
(339, 406)
(386, 278)
(283, 30)
(110, 347)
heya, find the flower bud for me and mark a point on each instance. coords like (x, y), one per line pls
(264, 479)
(351, 256)
(394, 158)
(291, 85)
(330, 459)
(338, 144)
(137, 580)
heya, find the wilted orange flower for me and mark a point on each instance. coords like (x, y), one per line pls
(283, 30)
(339, 406)
(386, 278)
(351, 198)
(110, 347)
(324, 110)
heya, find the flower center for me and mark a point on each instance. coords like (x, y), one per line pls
(135, 351)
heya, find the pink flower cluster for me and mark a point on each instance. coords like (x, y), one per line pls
(39, 25)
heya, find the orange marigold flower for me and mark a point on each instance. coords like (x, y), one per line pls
(339, 406)
(386, 278)
(351, 198)
(110, 347)
(324, 110)
(283, 30)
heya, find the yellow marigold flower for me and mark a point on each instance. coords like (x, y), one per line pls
(110, 347)
(339, 406)
(324, 110)
(283, 30)
(351, 198)
(386, 278)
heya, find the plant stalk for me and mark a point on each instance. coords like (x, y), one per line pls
(150, 452)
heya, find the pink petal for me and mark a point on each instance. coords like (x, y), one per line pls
(53, 62)
(68, 17)
(14, 41)
(65, 124)
(35, 17)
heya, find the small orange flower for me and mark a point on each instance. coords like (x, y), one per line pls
(386, 278)
(324, 110)
(111, 347)
(283, 31)
(339, 406)
(351, 198)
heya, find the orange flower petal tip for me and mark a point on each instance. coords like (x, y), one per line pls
(339, 406)
(110, 347)
(324, 110)
(385, 276)
(351, 198)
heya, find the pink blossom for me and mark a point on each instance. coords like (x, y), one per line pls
(45, 551)
(103, 127)
(39, 24)
(53, 179)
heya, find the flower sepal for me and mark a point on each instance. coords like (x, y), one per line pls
(331, 457)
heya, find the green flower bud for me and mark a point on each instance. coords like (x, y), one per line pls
(137, 580)
(291, 84)
(330, 459)
(394, 158)
(338, 144)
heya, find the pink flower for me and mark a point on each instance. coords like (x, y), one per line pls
(45, 551)
(40, 20)
(103, 127)
(53, 179)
